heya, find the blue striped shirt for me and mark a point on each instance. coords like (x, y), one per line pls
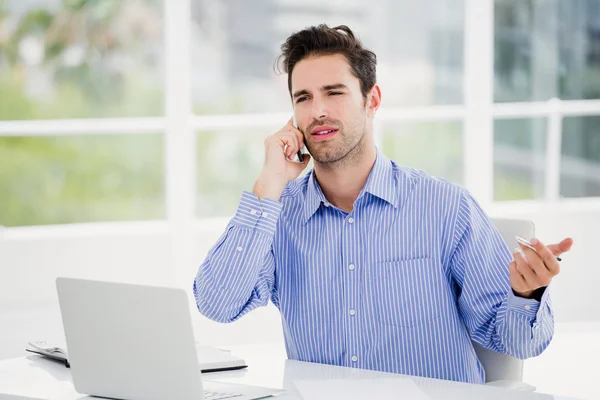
(401, 284)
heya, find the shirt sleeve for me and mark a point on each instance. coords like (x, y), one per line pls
(238, 273)
(496, 318)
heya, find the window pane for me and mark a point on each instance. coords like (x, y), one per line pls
(580, 161)
(546, 49)
(82, 58)
(435, 147)
(68, 179)
(228, 162)
(519, 159)
(419, 46)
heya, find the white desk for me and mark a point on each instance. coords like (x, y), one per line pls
(38, 378)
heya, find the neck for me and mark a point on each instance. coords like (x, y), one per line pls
(342, 181)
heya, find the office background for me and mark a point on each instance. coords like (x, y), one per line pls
(128, 130)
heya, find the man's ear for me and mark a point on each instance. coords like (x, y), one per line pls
(373, 100)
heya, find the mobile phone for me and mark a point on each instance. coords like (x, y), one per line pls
(526, 243)
(299, 156)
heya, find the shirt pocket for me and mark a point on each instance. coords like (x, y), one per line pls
(405, 293)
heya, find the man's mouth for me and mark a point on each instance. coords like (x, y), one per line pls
(324, 133)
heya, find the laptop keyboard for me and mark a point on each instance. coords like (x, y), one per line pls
(208, 395)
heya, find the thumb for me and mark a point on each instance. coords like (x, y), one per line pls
(562, 247)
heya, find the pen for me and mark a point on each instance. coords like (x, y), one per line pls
(526, 243)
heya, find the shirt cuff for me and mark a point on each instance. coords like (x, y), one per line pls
(261, 215)
(527, 307)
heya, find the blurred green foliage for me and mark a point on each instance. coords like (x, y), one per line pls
(57, 180)
(97, 60)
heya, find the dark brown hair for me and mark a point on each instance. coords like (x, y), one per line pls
(322, 40)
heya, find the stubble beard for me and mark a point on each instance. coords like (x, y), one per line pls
(347, 153)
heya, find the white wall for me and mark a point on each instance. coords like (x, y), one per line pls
(31, 259)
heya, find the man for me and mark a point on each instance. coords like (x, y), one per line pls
(371, 265)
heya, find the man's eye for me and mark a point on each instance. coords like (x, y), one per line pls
(336, 93)
(300, 99)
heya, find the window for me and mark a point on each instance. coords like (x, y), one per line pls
(580, 157)
(435, 147)
(546, 49)
(80, 58)
(81, 178)
(106, 112)
(62, 62)
(419, 46)
(519, 159)
(227, 162)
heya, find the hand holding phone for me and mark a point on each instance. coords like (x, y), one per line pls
(299, 156)
(279, 169)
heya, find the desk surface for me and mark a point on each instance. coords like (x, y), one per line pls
(38, 378)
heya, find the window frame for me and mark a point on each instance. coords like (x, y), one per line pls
(179, 125)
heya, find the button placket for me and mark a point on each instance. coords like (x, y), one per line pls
(352, 252)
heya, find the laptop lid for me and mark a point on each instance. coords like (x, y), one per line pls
(129, 341)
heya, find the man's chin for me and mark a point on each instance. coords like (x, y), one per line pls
(328, 158)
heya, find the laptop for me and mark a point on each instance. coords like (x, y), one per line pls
(128, 341)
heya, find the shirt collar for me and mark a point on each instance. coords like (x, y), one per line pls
(380, 183)
(314, 197)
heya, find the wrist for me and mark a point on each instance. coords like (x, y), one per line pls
(526, 295)
(269, 187)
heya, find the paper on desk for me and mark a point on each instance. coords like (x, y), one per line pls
(376, 389)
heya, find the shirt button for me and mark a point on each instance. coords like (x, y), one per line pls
(354, 358)
(352, 312)
(351, 267)
(265, 215)
(528, 307)
(253, 212)
(239, 248)
(350, 220)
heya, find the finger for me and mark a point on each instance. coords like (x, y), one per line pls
(562, 247)
(291, 129)
(517, 281)
(547, 257)
(539, 267)
(526, 270)
(289, 140)
(299, 136)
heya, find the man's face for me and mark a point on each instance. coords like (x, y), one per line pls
(329, 107)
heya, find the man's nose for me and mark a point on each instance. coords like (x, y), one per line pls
(319, 110)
